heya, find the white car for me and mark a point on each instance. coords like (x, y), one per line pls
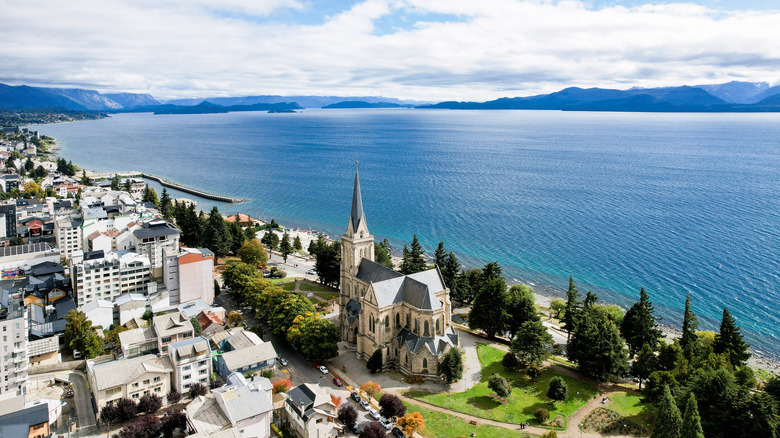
(365, 404)
(323, 370)
(374, 413)
(309, 295)
(385, 423)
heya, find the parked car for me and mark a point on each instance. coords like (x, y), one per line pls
(337, 381)
(355, 396)
(309, 295)
(364, 404)
(374, 413)
(323, 370)
(311, 272)
(398, 433)
(385, 423)
(282, 361)
(355, 429)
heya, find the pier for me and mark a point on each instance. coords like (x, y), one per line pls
(173, 185)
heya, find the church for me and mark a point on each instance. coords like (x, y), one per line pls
(407, 317)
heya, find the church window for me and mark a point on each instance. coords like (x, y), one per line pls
(387, 322)
(408, 321)
(417, 326)
(398, 320)
(406, 358)
(371, 324)
(437, 327)
(425, 329)
(425, 364)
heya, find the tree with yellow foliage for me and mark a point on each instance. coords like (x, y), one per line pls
(412, 423)
(371, 388)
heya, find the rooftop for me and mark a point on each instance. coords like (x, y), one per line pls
(121, 371)
(29, 248)
(171, 324)
(249, 356)
(156, 229)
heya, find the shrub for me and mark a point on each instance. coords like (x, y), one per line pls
(174, 396)
(109, 413)
(558, 390)
(126, 409)
(550, 434)
(499, 385)
(347, 415)
(541, 415)
(415, 380)
(371, 388)
(197, 390)
(510, 362)
(391, 406)
(281, 385)
(172, 420)
(373, 430)
(268, 374)
(149, 404)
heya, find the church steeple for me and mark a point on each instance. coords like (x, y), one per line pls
(357, 214)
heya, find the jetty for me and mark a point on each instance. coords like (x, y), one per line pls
(165, 183)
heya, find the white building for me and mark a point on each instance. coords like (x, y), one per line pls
(188, 273)
(100, 312)
(247, 405)
(98, 275)
(129, 378)
(191, 361)
(152, 239)
(67, 231)
(310, 412)
(13, 334)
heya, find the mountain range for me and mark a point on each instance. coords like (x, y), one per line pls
(728, 97)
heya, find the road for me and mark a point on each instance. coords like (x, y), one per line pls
(82, 399)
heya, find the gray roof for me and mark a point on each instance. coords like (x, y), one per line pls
(247, 356)
(242, 402)
(122, 371)
(436, 344)
(137, 336)
(7, 251)
(43, 346)
(171, 324)
(155, 229)
(390, 287)
(190, 347)
(63, 306)
(18, 423)
(304, 399)
(357, 204)
(244, 339)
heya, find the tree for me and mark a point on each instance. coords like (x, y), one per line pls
(109, 413)
(557, 306)
(252, 253)
(373, 430)
(127, 186)
(510, 362)
(328, 263)
(391, 406)
(729, 341)
(382, 254)
(173, 396)
(150, 195)
(115, 182)
(375, 361)
(147, 426)
(126, 409)
(521, 308)
(85, 180)
(499, 385)
(92, 345)
(531, 344)
(451, 365)
(596, 346)
(450, 272)
(320, 339)
(283, 315)
(572, 309)
(15, 241)
(234, 318)
(29, 165)
(296, 243)
(149, 404)
(281, 385)
(639, 325)
(197, 389)
(347, 415)
(271, 240)
(237, 237)
(166, 206)
(557, 390)
(216, 237)
(77, 327)
(172, 420)
(238, 274)
(690, 323)
(541, 415)
(413, 259)
(668, 422)
(285, 247)
(412, 423)
(488, 312)
(644, 364)
(196, 327)
(371, 388)
(691, 422)
(336, 400)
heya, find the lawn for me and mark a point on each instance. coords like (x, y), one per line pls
(326, 295)
(630, 406)
(308, 287)
(441, 425)
(281, 280)
(288, 286)
(527, 394)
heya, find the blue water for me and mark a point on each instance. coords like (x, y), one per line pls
(674, 203)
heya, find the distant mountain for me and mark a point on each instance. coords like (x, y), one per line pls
(735, 91)
(303, 101)
(132, 100)
(89, 99)
(211, 108)
(363, 104)
(773, 91)
(667, 99)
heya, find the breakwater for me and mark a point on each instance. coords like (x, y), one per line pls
(190, 190)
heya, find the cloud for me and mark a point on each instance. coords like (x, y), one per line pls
(453, 49)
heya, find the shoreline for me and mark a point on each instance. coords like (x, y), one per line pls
(543, 294)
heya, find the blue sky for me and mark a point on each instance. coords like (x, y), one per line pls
(410, 49)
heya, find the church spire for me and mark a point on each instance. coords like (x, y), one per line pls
(357, 203)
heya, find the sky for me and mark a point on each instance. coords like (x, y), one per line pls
(430, 50)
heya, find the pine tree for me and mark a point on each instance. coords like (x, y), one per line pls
(451, 366)
(405, 266)
(215, 234)
(729, 341)
(668, 422)
(115, 182)
(644, 364)
(596, 346)
(296, 243)
(489, 311)
(690, 323)
(521, 307)
(572, 309)
(416, 260)
(285, 247)
(166, 206)
(639, 325)
(440, 255)
(691, 423)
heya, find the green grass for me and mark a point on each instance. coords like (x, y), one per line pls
(562, 361)
(527, 394)
(630, 406)
(326, 295)
(441, 425)
(288, 286)
(308, 287)
(282, 280)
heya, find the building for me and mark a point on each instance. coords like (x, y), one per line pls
(30, 422)
(45, 351)
(100, 312)
(240, 409)
(407, 317)
(247, 359)
(8, 220)
(152, 239)
(173, 327)
(67, 232)
(129, 378)
(310, 413)
(188, 274)
(13, 333)
(138, 342)
(98, 275)
(18, 258)
(9, 182)
(191, 362)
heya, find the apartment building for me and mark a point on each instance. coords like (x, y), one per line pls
(67, 231)
(129, 378)
(152, 239)
(191, 362)
(188, 274)
(173, 327)
(98, 275)
(13, 334)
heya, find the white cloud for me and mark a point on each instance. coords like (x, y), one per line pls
(488, 49)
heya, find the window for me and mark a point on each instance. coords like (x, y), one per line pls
(135, 385)
(387, 322)
(156, 379)
(202, 363)
(408, 321)
(146, 382)
(425, 364)
(425, 329)
(135, 395)
(186, 368)
(398, 319)
(437, 327)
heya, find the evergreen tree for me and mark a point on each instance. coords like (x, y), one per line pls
(405, 267)
(328, 263)
(532, 343)
(126, 186)
(451, 365)
(572, 309)
(215, 235)
(29, 165)
(115, 182)
(668, 422)
(690, 323)
(440, 256)
(85, 180)
(499, 385)
(489, 311)
(521, 307)
(691, 423)
(490, 271)
(375, 361)
(639, 325)
(557, 390)
(644, 364)
(413, 260)
(596, 346)
(150, 196)
(296, 242)
(729, 341)
(237, 237)
(166, 206)
(285, 247)
(450, 272)
(382, 253)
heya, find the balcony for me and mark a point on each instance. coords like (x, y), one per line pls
(20, 358)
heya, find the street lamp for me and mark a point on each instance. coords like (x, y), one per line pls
(507, 413)
(580, 430)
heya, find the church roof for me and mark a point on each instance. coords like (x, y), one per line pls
(390, 287)
(436, 344)
(357, 204)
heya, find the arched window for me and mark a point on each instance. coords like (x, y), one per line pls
(417, 326)
(408, 321)
(437, 327)
(398, 320)
(406, 358)
(425, 364)
(425, 329)
(387, 322)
